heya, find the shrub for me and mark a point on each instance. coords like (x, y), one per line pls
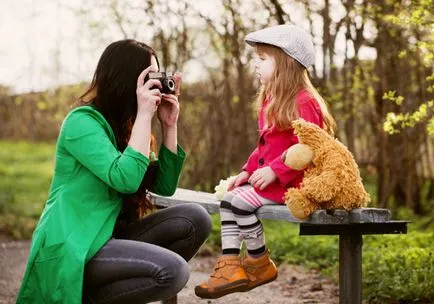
(400, 269)
(396, 268)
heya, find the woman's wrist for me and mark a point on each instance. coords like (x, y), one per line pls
(141, 132)
(169, 129)
(168, 126)
(170, 138)
(143, 114)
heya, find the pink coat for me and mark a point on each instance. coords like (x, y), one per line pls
(271, 145)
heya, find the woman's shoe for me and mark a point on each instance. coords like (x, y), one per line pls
(228, 277)
(260, 271)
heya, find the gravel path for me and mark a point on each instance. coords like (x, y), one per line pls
(294, 285)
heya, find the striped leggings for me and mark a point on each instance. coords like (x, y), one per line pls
(239, 221)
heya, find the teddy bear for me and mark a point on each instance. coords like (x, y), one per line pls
(332, 178)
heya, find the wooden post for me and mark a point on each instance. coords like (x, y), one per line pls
(350, 268)
(172, 300)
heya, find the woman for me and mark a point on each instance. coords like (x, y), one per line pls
(92, 243)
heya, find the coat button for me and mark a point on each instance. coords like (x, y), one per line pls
(261, 161)
(262, 141)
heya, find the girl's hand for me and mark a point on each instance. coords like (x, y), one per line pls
(262, 177)
(239, 180)
(168, 110)
(147, 99)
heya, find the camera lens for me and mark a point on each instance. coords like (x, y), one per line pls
(171, 84)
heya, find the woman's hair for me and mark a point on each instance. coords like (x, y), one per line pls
(113, 93)
(288, 79)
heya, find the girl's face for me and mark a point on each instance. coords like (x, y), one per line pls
(264, 67)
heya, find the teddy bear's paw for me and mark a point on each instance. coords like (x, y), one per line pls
(299, 205)
(297, 210)
(298, 213)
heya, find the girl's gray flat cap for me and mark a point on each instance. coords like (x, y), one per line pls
(292, 39)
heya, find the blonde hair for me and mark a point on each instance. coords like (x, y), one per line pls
(288, 79)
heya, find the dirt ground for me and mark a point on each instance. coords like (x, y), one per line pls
(294, 285)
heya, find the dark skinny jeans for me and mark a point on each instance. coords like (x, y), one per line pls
(148, 261)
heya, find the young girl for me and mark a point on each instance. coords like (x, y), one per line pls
(283, 54)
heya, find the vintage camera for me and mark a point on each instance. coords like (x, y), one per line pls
(167, 81)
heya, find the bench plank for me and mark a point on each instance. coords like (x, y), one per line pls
(278, 212)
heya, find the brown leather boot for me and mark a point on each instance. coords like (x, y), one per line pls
(259, 270)
(228, 277)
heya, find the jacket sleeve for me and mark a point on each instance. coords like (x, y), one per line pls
(169, 166)
(85, 138)
(284, 173)
(308, 110)
(252, 162)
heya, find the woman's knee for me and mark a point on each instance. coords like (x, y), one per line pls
(198, 216)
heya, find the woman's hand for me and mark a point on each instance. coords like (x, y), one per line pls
(178, 80)
(239, 180)
(262, 177)
(168, 111)
(147, 102)
(148, 94)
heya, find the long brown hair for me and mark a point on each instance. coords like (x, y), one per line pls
(288, 79)
(113, 93)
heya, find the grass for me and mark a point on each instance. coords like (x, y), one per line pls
(25, 174)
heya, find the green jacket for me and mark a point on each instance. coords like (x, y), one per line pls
(85, 198)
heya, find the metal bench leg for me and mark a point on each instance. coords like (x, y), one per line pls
(350, 268)
(172, 300)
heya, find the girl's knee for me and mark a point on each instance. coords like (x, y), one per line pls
(227, 197)
(241, 207)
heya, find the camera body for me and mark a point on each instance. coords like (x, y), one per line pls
(167, 81)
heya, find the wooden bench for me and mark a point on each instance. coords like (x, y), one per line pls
(350, 226)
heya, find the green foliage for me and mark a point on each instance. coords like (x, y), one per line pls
(214, 238)
(394, 122)
(415, 18)
(37, 115)
(369, 180)
(399, 269)
(415, 13)
(318, 252)
(418, 223)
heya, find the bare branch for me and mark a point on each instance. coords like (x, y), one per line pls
(119, 20)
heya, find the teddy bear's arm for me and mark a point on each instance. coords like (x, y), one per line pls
(321, 188)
